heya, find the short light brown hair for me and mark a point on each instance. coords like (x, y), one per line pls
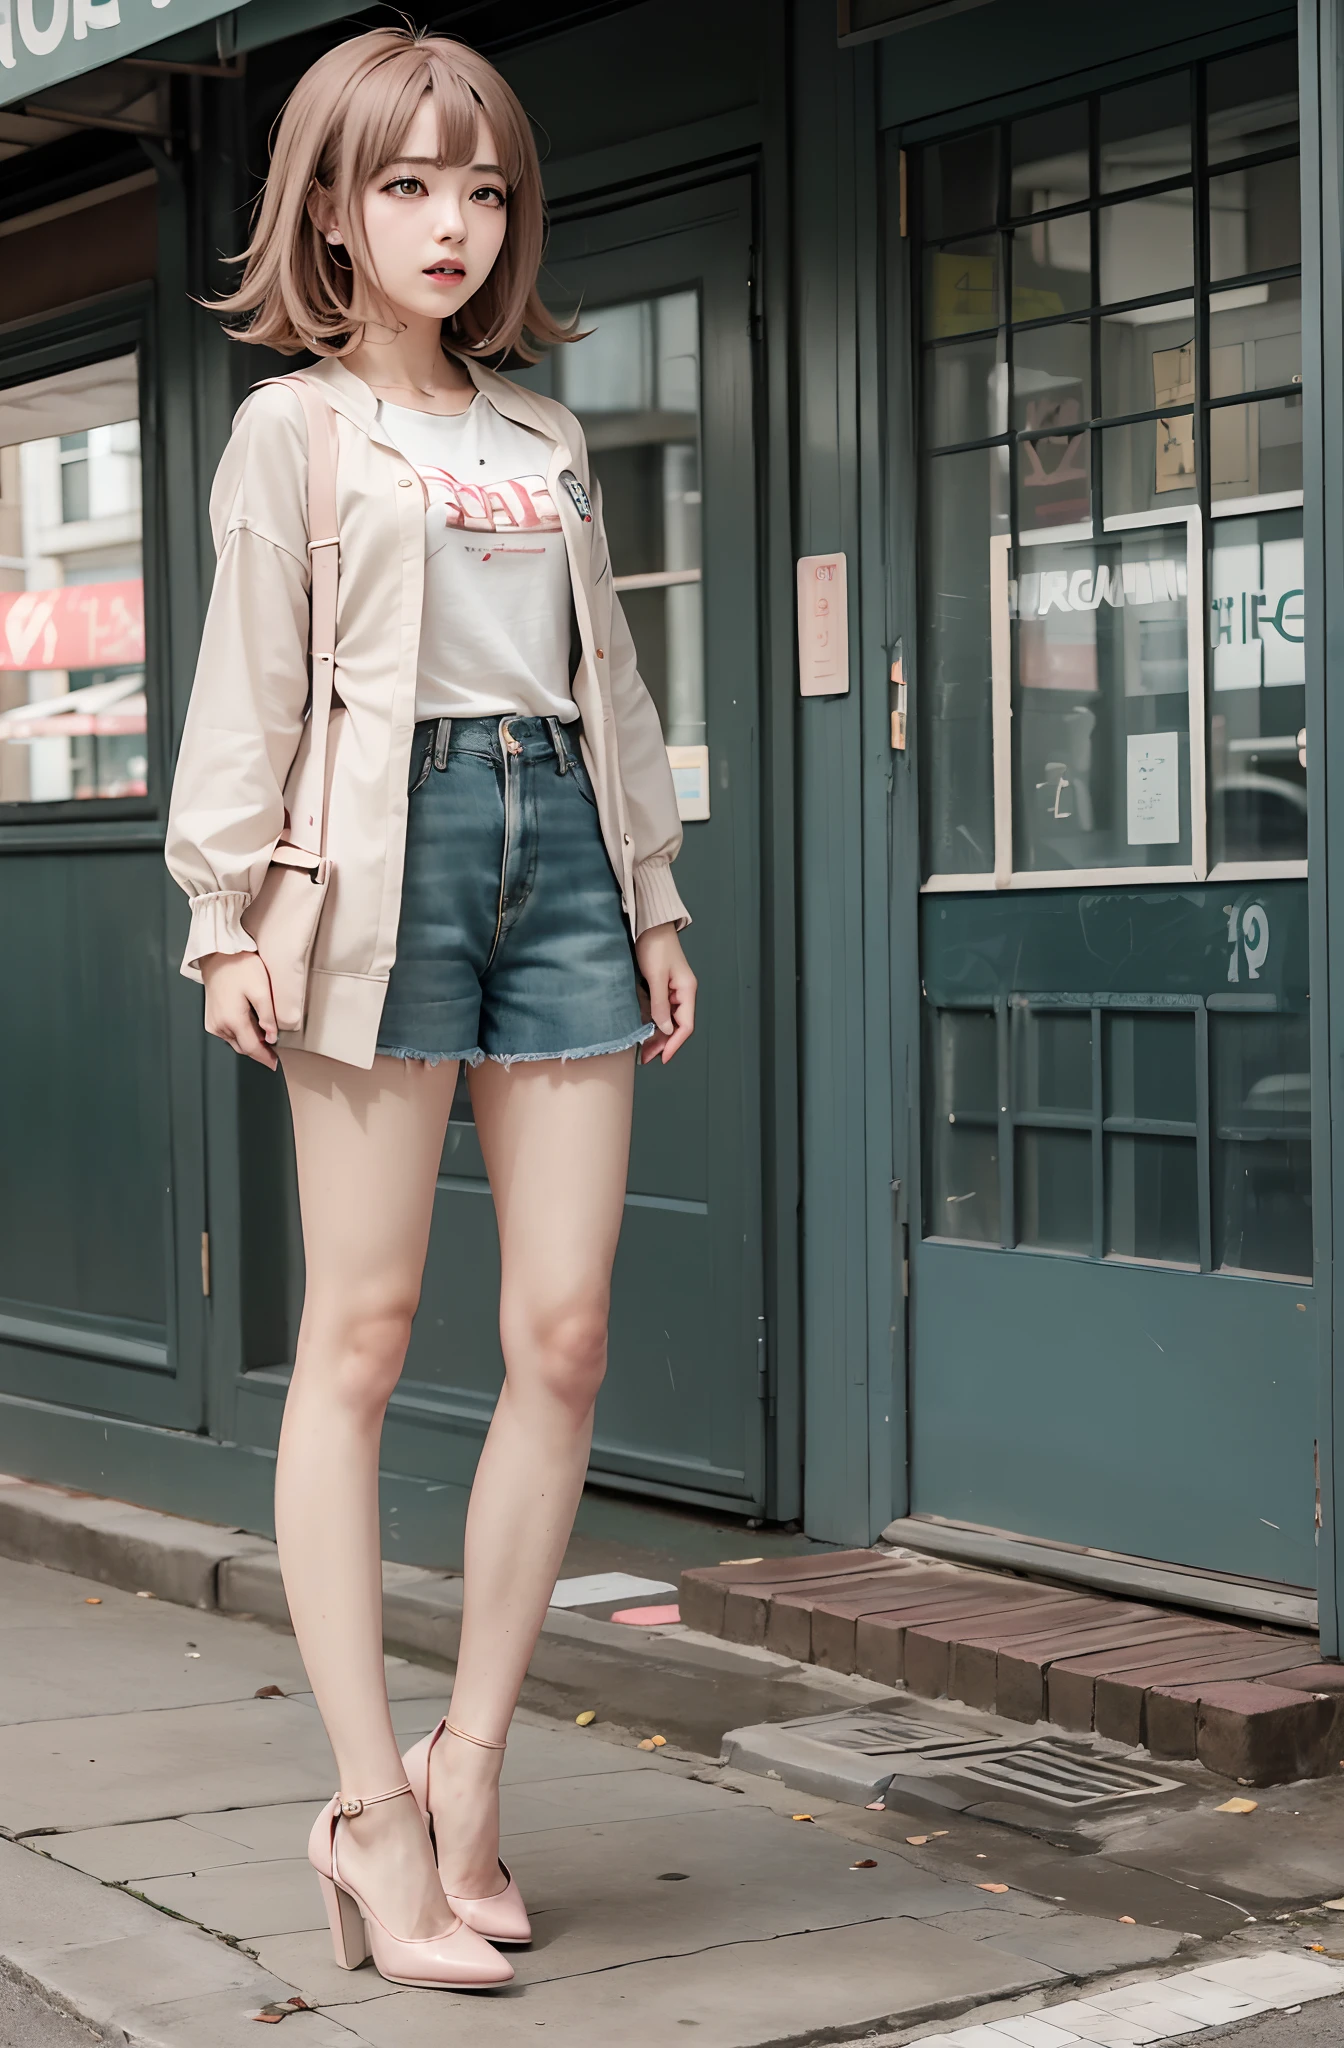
(348, 116)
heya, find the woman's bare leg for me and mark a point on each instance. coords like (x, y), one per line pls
(368, 1146)
(556, 1139)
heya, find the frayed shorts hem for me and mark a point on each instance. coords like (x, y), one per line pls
(475, 1056)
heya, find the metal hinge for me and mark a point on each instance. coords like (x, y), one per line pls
(763, 1365)
(205, 1262)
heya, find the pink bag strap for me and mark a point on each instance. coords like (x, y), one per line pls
(309, 815)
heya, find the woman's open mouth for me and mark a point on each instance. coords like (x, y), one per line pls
(446, 273)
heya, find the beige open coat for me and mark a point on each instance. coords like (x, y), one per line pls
(245, 737)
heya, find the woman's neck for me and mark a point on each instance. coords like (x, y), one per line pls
(411, 368)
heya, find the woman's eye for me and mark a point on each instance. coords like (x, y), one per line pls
(409, 185)
(491, 193)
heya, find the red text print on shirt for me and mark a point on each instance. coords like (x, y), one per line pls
(521, 504)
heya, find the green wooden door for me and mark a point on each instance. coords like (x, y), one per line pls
(1113, 1322)
(663, 386)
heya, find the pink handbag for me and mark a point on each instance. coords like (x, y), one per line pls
(284, 914)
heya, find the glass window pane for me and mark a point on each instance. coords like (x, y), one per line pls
(1149, 1064)
(1146, 246)
(1262, 1143)
(963, 1153)
(1149, 466)
(1253, 102)
(965, 391)
(1050, 164)
(1052, 375)
(1255, 449)
(960, 182)
(1052, 1060)
(1255, 337)
(1101, 712)
(964, 505)
(1052, 267)
(1144, 132)
(1147, 359)
(1255, 219)
(961, 287)
(1053, 1175)
(1152, 1199)
(72, 617)
(1257, 689)
(1054, 481)
(634, 382)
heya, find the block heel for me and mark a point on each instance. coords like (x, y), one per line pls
(348, 1939)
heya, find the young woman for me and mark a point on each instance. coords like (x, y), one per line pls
(501, 823)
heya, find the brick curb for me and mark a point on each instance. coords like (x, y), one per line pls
(1246, 1702)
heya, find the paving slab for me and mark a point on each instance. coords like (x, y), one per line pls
(1290, 1849)
(225, 2019)
(242, 1900)
(737, 1996)
(117, 1544)
(150, 1848)
(166, 1655)
(150, 1766)
(305, 1961)
(1080, 1947)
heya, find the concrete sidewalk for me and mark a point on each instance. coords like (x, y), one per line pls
(160, 1766)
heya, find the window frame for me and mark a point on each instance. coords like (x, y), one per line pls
(120, 324)
(1199, 516)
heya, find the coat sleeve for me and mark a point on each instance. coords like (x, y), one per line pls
(646, 778)
(248, 699)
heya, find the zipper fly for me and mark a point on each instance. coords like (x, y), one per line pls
(509, 745)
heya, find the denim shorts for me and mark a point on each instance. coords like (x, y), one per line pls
(512, 943)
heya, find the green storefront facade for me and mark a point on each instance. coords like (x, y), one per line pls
(995, 1198)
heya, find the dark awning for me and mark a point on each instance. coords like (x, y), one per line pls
(45, 42)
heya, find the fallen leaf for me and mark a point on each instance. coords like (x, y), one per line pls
(1237, 1806)
(659, 1741)
(741, 1560)
(991, 1887)
(802, 1816)
(268, 1692)
(916, 1841)
(588, 1715)
(1334, 1905)
(144, 1596)
(647, 1743)
(191, 1653)
(865, 1863)
(93, 1599)
(271, 2015)
(876, 1806)
(1128, 1920)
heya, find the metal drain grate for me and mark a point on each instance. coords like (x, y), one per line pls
(892, 1733)
(1046, 1769)
(1065, 1775)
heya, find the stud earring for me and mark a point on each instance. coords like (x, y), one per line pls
(335, 240)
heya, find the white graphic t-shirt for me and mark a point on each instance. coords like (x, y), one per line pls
(494, 634)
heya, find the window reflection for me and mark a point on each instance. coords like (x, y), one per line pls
(1262, 1143)
(963, 1164)
(1257, 689)
(634, 382)
(72, 622)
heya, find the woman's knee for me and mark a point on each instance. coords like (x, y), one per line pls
(358, 1348)
(563, 1350)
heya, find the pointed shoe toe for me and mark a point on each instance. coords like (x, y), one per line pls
(501, 1918)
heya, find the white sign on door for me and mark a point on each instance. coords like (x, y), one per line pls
(1153, 788)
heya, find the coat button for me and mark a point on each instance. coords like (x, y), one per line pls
(405, 482)
(601, 654)
(626, 837)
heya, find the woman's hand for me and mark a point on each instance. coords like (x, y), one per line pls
(239, 1007)
(670, 1001)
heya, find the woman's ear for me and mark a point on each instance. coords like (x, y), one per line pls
(322, 213)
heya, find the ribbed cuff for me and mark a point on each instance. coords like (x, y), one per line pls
(216, 927)
(656, 898)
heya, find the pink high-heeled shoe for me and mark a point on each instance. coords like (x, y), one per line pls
(502, 1917)
(460, 1961)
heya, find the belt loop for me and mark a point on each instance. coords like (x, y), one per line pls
(441, 739)
(558, 742)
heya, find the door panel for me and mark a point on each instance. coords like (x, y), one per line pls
(663, 387)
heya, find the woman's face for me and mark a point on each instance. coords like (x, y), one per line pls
(434, 230)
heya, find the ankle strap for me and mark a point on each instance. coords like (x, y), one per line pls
(479, 1740)
(350, 1807)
